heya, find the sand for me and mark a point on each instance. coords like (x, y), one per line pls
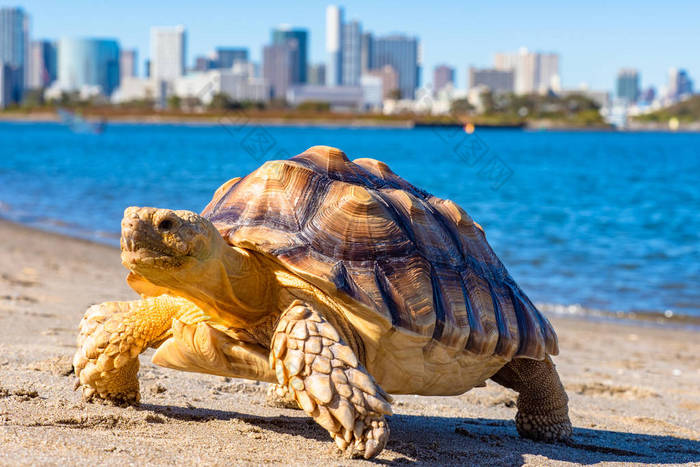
(634, 390)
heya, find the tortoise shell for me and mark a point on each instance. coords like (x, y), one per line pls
(357, 228)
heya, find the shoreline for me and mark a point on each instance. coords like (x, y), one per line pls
(658, 318)
(331, 121)
(633, 390)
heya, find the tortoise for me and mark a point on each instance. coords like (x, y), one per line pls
(337, 281)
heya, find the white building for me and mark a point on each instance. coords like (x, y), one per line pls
(334, 45)
(168, 49)
(339, 97)
(237, 86)
(534, 72)
(372, 92)
(132, 88)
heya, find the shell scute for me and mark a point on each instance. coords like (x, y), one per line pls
(418, 262)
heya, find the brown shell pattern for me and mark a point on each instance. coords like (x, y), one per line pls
(419, 261)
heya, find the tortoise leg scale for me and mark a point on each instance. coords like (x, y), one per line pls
(328, 382)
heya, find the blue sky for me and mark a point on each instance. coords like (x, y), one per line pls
(594, 38)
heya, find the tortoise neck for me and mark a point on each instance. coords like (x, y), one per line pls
(233, 283)
(251, 282)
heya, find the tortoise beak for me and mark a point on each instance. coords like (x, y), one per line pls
(149, 238)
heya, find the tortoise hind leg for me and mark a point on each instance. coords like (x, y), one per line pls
(328, 382)
(543, 412)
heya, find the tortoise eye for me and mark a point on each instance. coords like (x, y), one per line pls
(165, 225)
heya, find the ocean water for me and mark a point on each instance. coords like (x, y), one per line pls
(583, 220)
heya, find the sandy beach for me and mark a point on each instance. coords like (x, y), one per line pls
(634, 390)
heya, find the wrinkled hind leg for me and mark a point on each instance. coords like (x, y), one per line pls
(112, 335)
(543, 413)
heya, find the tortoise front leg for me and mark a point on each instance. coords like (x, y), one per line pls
(543, 412)
(112, 335)
(328, 382)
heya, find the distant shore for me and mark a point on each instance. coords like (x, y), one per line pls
(328, 120)
(633, 390)
(292, 118)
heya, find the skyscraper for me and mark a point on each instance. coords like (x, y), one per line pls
(366, 49)
(127, 63)
(43, 62)
(168, 51)
(88, 62)
(279, 63)
(548, 78)
(14, 50)
(334, 45)
(627, 85)
(401, 52)
(351, 53)
(227, 56)
(6, 84)
(442, 76)
(679, 83)
(285, 34)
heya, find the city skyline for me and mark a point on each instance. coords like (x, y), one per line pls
(595, 61)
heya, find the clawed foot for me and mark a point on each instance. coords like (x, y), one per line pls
(367, 439)
(106, 362)
(548, 427)
(280, 397)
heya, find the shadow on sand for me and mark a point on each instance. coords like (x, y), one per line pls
(479, 441)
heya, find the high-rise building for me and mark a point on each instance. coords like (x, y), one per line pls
(366, 48)
(316, 74)
(442, 76)
(351, 52)
(533, 71)
(498, 81)
(147, 68)
(548, 73)
(648, 95)
(6, 85)
(334, 45)
(128, 60)
(168, 51)
(227, 56)
(88, 62)
(679, 84)
(14, 49)
(401, 52)
(42, 64)
(627, 85)
(279, 63)
(284, 34)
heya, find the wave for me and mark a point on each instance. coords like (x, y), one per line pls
(650, 317)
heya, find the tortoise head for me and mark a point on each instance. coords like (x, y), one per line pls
(162, 242)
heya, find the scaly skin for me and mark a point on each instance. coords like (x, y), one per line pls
(249, 303)
(112, 335)
(542, 402)
(329, 383)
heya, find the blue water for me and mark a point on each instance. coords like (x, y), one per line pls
(609, 221)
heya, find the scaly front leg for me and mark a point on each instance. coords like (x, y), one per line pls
(328, 382)
(112, 335)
